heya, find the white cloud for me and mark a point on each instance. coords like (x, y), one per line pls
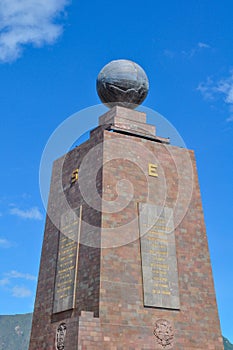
(16, 274)
(32, 213)
(230, 119)
(16, 291)
(222, 89)
(169, 53)
(4, 282)
(21, 292)
(187, 53)
(203, 45)
(24, 22)
(4, 243)
(206, 89)
(225, 86)
(199, 47)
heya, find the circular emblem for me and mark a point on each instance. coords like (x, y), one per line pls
(164, 333)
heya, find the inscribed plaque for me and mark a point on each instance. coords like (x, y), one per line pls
(158, 256)
(67, 260)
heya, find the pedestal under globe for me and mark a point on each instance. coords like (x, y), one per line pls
(123, 83)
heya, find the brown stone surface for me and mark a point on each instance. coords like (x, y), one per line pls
(126, 119)
(109, 311)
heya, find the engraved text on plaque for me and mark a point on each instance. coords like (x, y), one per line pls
(158, 254)
(67, 260)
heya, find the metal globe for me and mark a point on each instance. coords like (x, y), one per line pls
(122, 83)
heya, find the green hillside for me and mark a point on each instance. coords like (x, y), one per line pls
(227, 344)
(15, 333)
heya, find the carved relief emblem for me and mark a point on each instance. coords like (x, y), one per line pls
(60, 337)
(164, 333)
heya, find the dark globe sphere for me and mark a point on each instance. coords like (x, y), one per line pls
(122, 83)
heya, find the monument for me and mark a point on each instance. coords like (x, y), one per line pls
(125, 262)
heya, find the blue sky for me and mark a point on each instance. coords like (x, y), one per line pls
(50, 54)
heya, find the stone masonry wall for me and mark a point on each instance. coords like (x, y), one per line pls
(109, 309)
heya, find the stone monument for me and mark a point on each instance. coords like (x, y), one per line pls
(125, 262)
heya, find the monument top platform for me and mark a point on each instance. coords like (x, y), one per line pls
(128, 121)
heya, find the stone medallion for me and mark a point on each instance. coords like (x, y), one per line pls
(164, 333)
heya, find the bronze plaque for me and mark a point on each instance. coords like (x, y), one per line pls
(67, 261)
(158, 256)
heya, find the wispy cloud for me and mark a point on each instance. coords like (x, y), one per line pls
(17, 274)
(187, 53)
(222, 89)
(195, 50)
(230, 119)
(21, 292)
(169, 53)
(203, 45)
(32, 213)
(4, 243)
(24, 22)
(4, 282)
(207, 89)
